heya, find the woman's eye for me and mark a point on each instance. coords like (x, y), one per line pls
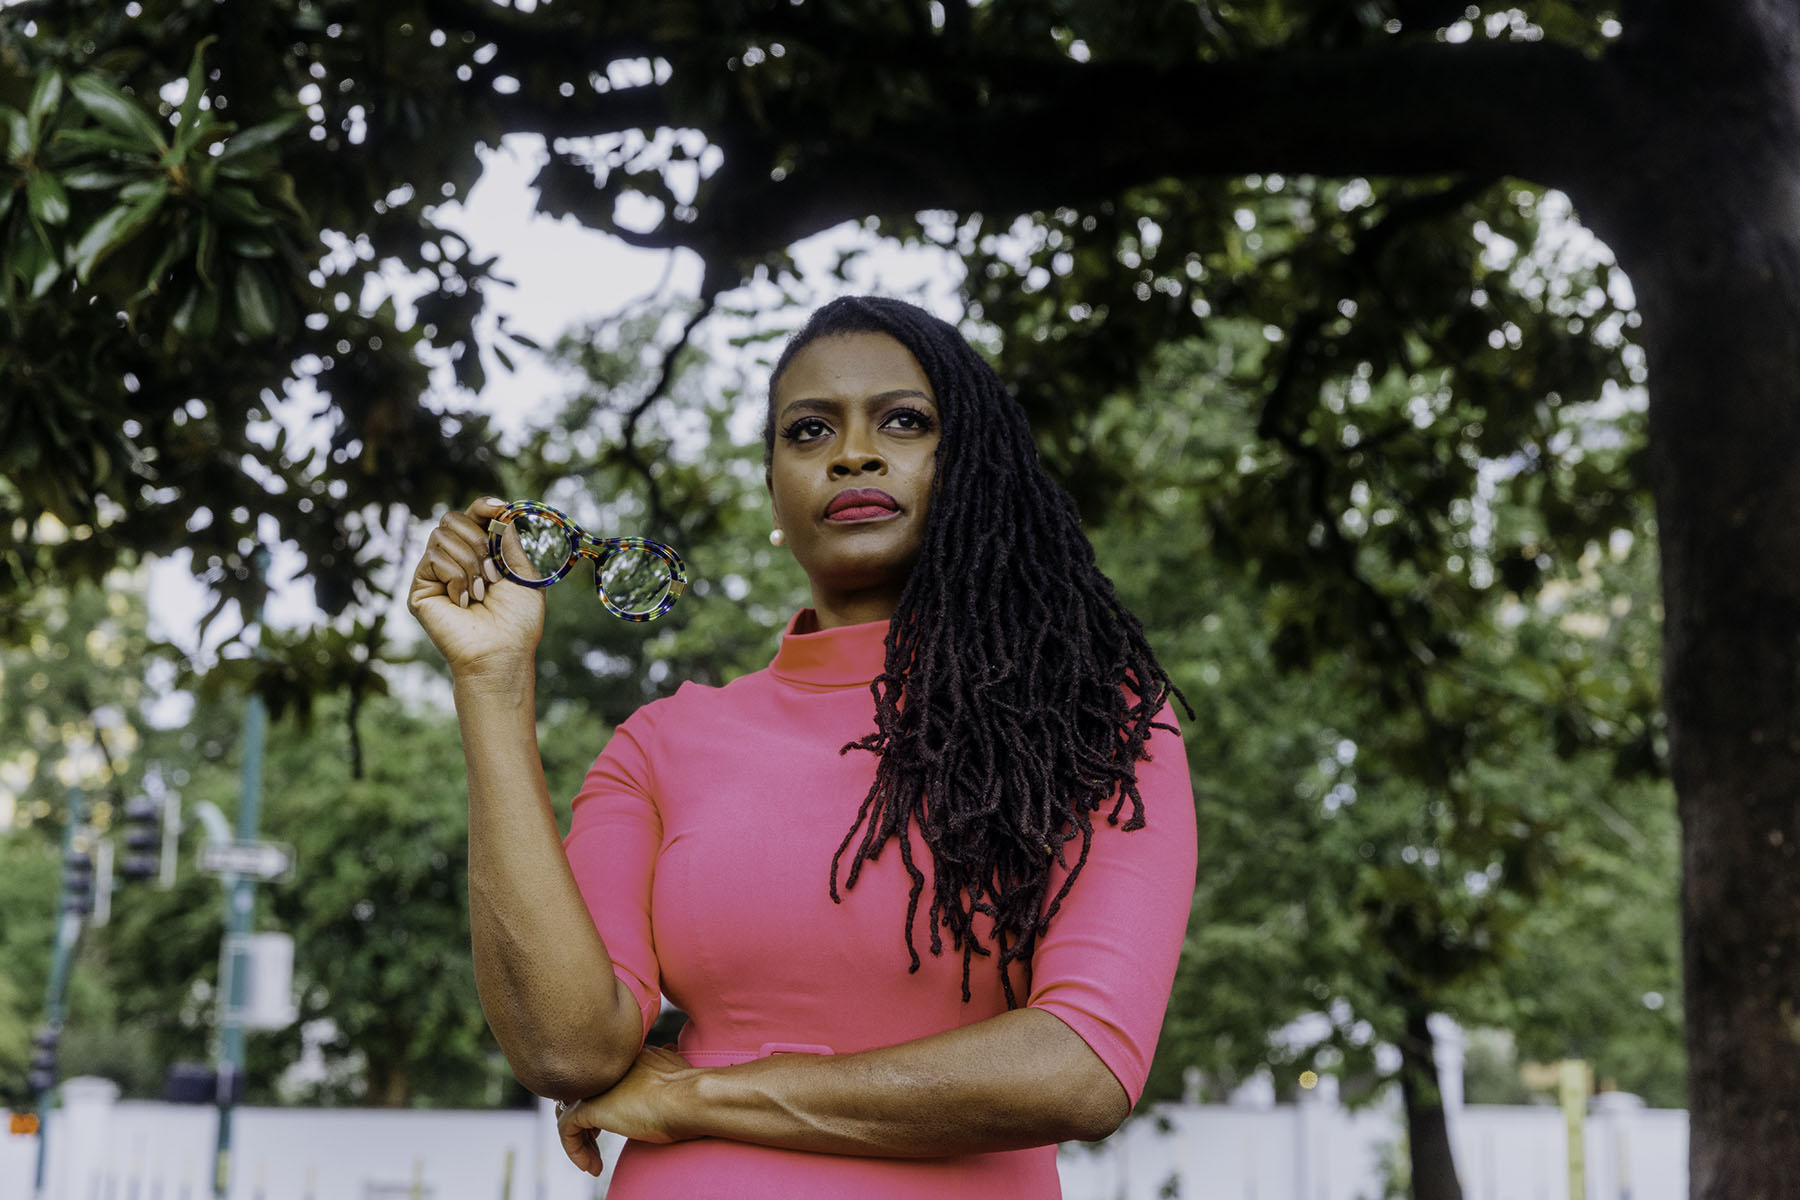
(909, 418)
(806, 429)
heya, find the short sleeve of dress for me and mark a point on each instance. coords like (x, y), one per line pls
(1107, 962)
(614, 836)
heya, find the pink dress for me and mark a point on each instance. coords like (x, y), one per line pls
(702, 843)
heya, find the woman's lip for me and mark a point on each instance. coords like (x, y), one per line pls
(860, 500)
(859, 513)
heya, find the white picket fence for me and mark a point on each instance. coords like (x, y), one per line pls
(104, 1149)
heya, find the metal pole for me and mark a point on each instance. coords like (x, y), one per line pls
(68, 932)
(240, 908)
(1574, 1082)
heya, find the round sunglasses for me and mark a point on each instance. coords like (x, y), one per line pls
(637, 579)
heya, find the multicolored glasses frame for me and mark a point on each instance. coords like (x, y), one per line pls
(583, 544)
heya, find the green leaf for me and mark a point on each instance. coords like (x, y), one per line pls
(198, 315)
(117, 227)
(35, 265)
(18, 134)
(118, 112)
(196, 88)
(240, 206)
(258, 305)
(49, 203)
(95, 179)
(203, 257)
(281, 186)
(251, 247)
(179, 247)
(176, 247)
(256, 137)
(44, 99)
(105, 142)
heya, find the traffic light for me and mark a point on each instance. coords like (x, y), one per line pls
(78, 882)
(42, 1076)
(143, 838)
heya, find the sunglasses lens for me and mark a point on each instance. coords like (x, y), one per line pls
(545, 546)
(636, 581)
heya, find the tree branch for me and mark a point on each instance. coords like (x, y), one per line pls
(1401, 110)
(628, 449)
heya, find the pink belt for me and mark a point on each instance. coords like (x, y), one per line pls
(730, 1058)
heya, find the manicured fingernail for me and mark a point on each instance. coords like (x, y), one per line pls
(490, 570)
(480, 589)
(465, 600)
(494, 501)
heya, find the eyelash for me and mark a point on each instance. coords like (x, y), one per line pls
(793, 432)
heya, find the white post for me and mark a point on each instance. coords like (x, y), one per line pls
(548, 1149)
(83, 1143)
(1613, 1115)
(1315, 1108)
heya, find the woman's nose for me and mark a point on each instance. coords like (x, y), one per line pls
(857, 456)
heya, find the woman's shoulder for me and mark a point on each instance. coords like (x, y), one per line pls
(695, 699)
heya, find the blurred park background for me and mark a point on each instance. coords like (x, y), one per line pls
(1321, 312)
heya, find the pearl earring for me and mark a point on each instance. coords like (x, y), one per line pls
(777, 538)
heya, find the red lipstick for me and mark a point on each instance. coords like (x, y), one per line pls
(861, 504)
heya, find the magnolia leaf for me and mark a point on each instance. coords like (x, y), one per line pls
(281, 186)
(44, 99)
(119, 225)
(118, 112)
(201, 177)
(18, 134)
(196, 88)
(204, 255)
(198, 314)
(255, 138)
(49, 203)
(244, 246)
(104, 141)
(95, 179)
(258, 305)
(25, 257)
(47, 269)
(173, 250)
(240, 205)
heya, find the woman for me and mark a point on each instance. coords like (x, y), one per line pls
(963, 744)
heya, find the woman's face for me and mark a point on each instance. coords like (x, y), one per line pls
(856, 434)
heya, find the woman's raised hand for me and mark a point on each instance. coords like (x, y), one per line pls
(479, 621)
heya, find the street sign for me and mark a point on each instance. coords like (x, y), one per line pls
(257, 860)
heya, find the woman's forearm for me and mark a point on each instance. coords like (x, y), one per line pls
(567, 1025)
(1019, 1079)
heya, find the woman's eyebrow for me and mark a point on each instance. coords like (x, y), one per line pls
(824, 404)
(900, 394)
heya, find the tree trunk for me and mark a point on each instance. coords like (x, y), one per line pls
(1427, 1135)
(1709, 232)
(389, 1084)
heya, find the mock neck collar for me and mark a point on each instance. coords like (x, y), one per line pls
(848, 656)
